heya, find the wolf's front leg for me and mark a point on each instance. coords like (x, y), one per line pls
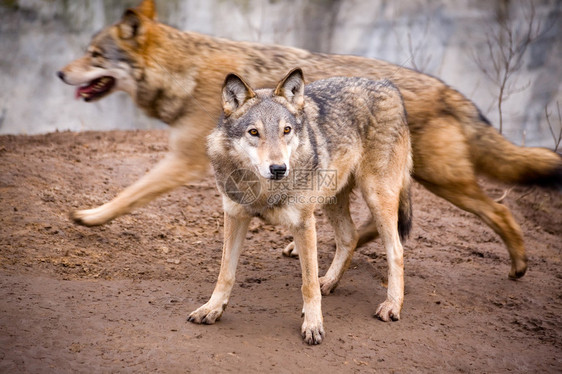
(235, 229)
(171, 172)
(305, 239)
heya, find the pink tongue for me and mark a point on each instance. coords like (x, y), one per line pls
(79, 90)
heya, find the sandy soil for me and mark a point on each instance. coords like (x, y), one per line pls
(115, 298)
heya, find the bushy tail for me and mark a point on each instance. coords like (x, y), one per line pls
(497, 158)
(405, 207)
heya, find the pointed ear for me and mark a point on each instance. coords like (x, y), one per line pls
(235, 92)
(130, 25)
(147, 9)
(292, 88)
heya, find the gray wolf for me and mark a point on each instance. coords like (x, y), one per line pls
(353, 128)
(177, 76)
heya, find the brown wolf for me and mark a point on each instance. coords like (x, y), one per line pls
(269, 141)
(177, 76)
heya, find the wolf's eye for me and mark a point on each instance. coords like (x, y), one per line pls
(96, 54)
(254, 132)
(287, 130)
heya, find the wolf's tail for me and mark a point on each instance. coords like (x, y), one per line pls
(496, 157)
(405, 205)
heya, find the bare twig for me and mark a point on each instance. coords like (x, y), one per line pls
(506, 46)
(419, 59)
(416, 43)
(556, 137)
(505, 193)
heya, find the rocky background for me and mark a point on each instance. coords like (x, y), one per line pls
(460, 42)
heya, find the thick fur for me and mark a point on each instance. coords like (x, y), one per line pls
(177, 76)
(352, 129)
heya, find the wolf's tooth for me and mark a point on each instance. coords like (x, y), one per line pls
(83, 94)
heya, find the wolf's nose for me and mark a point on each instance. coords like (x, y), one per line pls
(60, 74)
(278, 171)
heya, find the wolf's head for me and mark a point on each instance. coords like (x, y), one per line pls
(113, 60)
(264, 125)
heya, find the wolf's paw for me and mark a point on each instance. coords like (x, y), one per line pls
(313, 333)
(290, 250)
(206, 315)
(327, 286)
(388, 311)
(88, 217)
(518, 268)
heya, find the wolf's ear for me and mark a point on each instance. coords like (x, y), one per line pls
(235, 92)
(292, 88)
(131, 24)
(147, 9)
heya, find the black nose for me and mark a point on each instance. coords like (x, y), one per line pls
(278, 171)
(60, 74)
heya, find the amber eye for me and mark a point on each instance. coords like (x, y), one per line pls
(287, 130)
(254, 132)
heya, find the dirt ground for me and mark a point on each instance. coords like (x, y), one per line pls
(115, 298)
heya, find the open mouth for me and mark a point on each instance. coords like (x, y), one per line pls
(95, 89)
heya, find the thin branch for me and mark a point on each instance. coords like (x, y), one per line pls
(505, 193)
(506, 49)
(556, 138)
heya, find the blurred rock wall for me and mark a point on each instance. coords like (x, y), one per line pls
(442, 37)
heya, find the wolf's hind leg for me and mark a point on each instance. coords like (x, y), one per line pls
(448, 172)
(346, 239)
(291, 250)
(469, 196)
(367, 232)
(383, 202)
